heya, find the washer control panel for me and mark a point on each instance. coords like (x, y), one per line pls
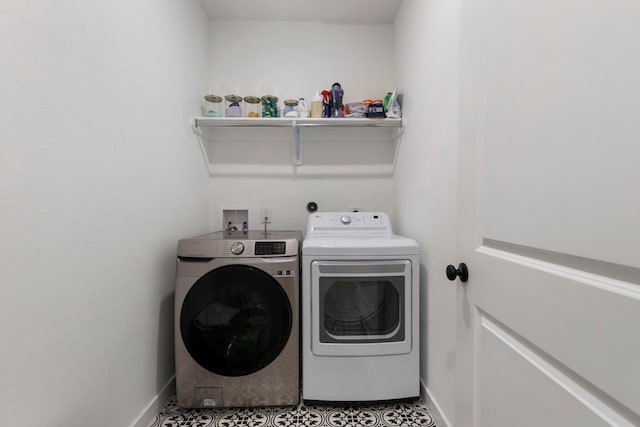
(241, 244)
(271, 248)
(237, 248)
(251, 248)
(369, 222)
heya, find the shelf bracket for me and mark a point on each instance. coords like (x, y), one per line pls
(202, 125)
(297, 147)
(194, 126)
(397, 139)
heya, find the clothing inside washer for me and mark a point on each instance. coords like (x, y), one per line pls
(240, 328)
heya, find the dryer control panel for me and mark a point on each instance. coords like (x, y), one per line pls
(349, 222)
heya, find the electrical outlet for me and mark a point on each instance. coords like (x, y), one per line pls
(265, 213)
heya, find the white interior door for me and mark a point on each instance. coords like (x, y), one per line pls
(549, 222)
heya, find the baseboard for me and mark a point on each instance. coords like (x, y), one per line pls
(153, 408)
(434, 408)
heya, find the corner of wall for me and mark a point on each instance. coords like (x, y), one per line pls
(147, 416)
(434, 407)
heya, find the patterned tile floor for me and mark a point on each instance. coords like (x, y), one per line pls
(397, 414)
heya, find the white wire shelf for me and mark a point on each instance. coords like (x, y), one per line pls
(390, 130)
(203, 122)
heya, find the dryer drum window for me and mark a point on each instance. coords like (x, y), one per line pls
(235, 320)
(362, 309)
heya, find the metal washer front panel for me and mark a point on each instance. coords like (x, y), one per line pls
(275, 384)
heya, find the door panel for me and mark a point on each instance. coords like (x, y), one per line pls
(560, 132)
(549, 214)
(548, 397)
(583, 321)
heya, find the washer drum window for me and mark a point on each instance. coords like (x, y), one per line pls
(235, 320)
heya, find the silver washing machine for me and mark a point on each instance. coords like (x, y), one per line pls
(237, 319)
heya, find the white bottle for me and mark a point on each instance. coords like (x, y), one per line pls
(316, 106)
(303, 111)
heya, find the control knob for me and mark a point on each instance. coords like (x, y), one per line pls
(237, 248)
(345, 219)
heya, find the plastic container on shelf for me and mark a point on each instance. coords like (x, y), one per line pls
(385, 101)
(269, 106)
(326, 103)
(252, 107)
(233, 107)
(316, 106)
(212, 106)
(290, 108)
(375, 109)
(303, 111)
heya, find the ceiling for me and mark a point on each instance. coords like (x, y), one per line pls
(340, 11)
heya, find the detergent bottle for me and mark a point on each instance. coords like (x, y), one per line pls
(303, 111)
(316, 106)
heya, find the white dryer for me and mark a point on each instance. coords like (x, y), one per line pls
(360, 309)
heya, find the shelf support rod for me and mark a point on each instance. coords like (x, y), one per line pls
(297, 149)
(397, 139)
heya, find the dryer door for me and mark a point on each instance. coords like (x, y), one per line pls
(361, 308)
(235, 320)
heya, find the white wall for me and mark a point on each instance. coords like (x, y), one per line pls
(426, 48)
(292, 60)
(288, 197)
(99, 177)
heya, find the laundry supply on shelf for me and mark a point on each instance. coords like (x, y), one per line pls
(290, 108)
(385, 101)
(326, 103)
(269, 106)
(337, 93)
(303, 111)
(393, 108)
(233, 106)
(213, 106)
(356, 110)
(252, 106)
(375, 109)
(316, 106)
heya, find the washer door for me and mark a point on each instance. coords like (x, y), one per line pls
(235, 320)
